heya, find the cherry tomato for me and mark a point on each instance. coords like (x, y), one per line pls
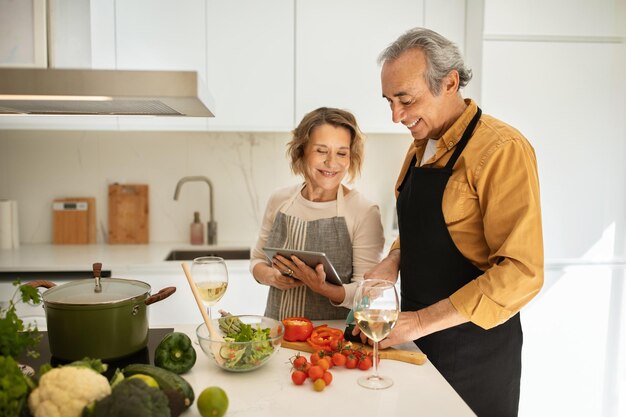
(315, 372)
(298, 377)
(315, 357)
(319, 385)
(306, 367)
(365, 363)
(339, 359)
(327, 377)
(351, 362)
(324, 363)
(299, 362)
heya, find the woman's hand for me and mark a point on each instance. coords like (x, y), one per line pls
(315, 279)
(275, 276)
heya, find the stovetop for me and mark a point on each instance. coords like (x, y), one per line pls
(145, 355)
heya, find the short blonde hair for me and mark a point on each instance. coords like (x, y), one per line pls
(319, 117)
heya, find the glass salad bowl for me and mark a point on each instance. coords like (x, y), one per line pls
(249, 341)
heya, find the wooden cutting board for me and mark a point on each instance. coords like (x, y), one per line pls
(417, 358)
(128, 213)
(74, 220)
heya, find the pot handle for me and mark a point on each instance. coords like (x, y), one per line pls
(161, 295)
(40, 283)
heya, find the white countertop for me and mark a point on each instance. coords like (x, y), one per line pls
(268, 391)
(47, 257)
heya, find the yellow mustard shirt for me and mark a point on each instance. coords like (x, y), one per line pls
(492, 209)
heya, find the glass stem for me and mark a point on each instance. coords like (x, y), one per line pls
(375, 361)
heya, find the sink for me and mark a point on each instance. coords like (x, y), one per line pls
(191, 254)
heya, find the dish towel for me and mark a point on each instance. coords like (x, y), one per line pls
(9, 232)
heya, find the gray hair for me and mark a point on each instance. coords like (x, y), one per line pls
(442, 56)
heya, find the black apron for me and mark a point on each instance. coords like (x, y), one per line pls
(483, 366)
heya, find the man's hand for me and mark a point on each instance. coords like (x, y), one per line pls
(387, 269)
(407, 329)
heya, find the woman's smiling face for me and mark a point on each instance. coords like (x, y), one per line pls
(326, 161)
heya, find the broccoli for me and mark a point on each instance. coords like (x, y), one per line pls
(13, 388)
(131, 398)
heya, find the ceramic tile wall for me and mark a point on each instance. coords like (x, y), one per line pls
(39, 166)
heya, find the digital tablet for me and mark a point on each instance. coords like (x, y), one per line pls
(312, 259)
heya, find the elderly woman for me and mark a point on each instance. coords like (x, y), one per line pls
(319, 215)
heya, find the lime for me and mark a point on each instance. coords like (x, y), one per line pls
(212, 402)
(151, 382)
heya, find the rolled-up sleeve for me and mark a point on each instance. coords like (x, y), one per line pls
(507, 187)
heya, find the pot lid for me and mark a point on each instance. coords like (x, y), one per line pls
(82, 291)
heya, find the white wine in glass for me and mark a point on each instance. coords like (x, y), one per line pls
(376, 311)
(210, 276)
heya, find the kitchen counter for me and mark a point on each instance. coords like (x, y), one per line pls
(47, 257)
(268, 391)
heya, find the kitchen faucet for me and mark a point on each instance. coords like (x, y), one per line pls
(211, 224)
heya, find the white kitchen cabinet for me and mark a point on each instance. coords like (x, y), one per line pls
(556, 18)
(243, 296)
(242, 49)
(266, 63)
(250, 64)
(338, 43)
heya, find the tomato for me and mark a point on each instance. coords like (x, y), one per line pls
(327, 377)
(322, 337)
(351, 362)
(315, 372)
(347, 352)
(298, 377)
(365, 363)
(324, 363)
(315, 357)
(306, 367)
(319, 385)
(297, 329)
(299, 362)
(339, 359)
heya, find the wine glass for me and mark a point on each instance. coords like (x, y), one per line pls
(376, 310)
(210, 276)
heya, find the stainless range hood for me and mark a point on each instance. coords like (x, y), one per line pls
(103, 92)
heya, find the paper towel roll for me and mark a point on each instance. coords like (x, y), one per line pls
(14, 225)
(6, 229)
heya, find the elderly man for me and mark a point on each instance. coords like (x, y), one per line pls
(470, 251)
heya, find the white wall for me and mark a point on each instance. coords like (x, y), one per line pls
(39, 166)
(555, 70)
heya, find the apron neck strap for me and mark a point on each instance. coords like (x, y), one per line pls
(464, 139)
(340, 200)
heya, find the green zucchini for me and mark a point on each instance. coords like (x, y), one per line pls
(167, 380)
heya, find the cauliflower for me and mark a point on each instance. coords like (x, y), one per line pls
(64, 392)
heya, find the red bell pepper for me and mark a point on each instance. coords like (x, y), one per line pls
(325, 338)
(297, 329)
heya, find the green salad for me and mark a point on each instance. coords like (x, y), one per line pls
(246, 347)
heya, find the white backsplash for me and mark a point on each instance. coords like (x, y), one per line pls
(38, 166)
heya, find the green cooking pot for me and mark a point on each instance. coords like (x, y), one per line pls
(105, 318)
